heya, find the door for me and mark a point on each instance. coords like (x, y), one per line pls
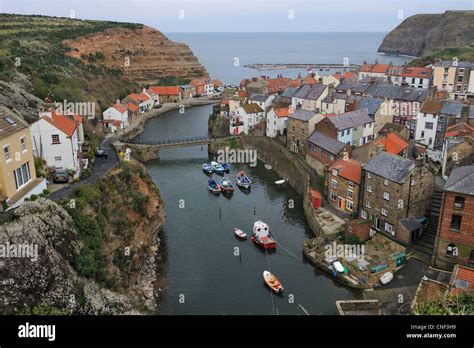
(341, 202)
(377, 224)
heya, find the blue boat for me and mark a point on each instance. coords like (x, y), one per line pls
(226, 166)
(226, 186)
(206, 168)
(219, 169)
(243, 181)
(213, 186)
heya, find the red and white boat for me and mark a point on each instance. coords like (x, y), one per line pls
(272, 282)
(240, 234)
(262, 236)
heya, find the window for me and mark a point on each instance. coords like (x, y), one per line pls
(6, 152)
(412, 182)
(367, 204)
(422, 134)
(55, 138)
(348, 132)
(23, 143)
(369, 176)
(350, 194)
(363, 214)
(369, 188)
(385, 182)
(333, 196)
(429, 125)
(350, 184)
(22, 175)
(341, 134)
(456, 222)
(334, 172)
(333, 184)
(452, 250)
(386, 196)
(59, 158)
(384, 212)
(388, 227)
(459, 202)
(349, 205)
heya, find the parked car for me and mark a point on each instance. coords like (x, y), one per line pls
(61, 176)
(157, 106)
(101, 153)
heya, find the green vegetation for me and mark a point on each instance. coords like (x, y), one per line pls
(33, 45)
(45, 309)
(465, 53)
(453, 305)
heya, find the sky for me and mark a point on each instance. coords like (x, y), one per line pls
(243, 15)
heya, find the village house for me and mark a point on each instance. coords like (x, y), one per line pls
(452, 112)
(458, 147)
(284, 99)
(378, 109)
(277, 121)
(455, 238)
(374, 70)
(454, 77)
(336, 78)
(413, 77)
(116, 117)
(343, 181)
(257, 85)
(245, 118)
(262, 100)
(204, 86)
(143, 101)
(300, 126)
(309, 97)
(462, 280)
(18, 179)
(353, 87)
(168, 94)
(427, 123)
(322, 151)
(394, 188)
(354, 128)
(187, 91)
(57, 139)
(391, 143)
(278, 85)
(401, 130)
(332, 105)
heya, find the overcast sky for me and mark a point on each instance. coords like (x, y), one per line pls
(243, 15)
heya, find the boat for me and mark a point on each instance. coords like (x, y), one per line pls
(219, 169)
(226, 185)
(280, 182)
(338, 266)
(240, 234)
(213, 186)
(206, 168)
(386, 278)
(242, 180)
(272, 282)
(267, 166)
(226, 166)
(262, 236)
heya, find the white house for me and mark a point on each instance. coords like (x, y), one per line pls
(245, 118)
(56, 139)
(277, 121)
(427, 123)
(262, 100)
(116, 117)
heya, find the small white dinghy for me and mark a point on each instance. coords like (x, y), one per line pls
(267, 166)
(338, 266)
(280, 182)
(386, 278)
(240, 234)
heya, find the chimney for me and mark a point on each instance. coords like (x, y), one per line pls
(117, 101)
(348, 91)
(46, 113)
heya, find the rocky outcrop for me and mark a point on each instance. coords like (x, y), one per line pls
(146, 55)
(423, 34)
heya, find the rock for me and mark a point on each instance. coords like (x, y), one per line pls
(423, 34)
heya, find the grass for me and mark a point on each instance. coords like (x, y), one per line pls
(463, 53)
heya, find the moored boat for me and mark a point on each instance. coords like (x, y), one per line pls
(243, 181)
(280, 182)
(217, 167)
(206, 168)
(226, 185)
(213, 186)
(338, 266)
(262, 236)
(226, 166)
(272, 282)
(240, 234)
(386, 278)
(267, 166)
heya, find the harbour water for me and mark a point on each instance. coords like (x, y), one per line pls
(205, 272)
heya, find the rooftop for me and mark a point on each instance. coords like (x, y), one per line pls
(259, 97)
(351, 119)
(349, 169)
(452, 108)
(252, 108)
(10, 123)
(391, 167)
(431, 107)
(303, 115)
(392, 143)
(461, 180)
(372, 104)
(331, 145)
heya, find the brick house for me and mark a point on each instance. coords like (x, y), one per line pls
(300, 126)
(455, 235)
(395, 188)
(462, 280)
(343, 182)
(322, 151)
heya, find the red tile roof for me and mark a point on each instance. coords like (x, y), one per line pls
(61, 122)
(392, 143)
(132, 107)
(217, 83)
(143, 97)
(283, 112)
(349, 169)
(417, 72)
(119, 107)
(200, 82)
(310, 80)
(463, 129)
(347, 75)
(295, 83)
(134, 97)
(165, 90)
(375, 68)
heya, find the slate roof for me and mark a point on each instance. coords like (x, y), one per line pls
(382, 90)
(452, 108)
(372, 104)
(303, 115)
(461, 180)
(258, 97)
(10, 124)
(351, 119)
(391, 167)
(289, 92)
(411, 223)
(316, 91)
(353, 85)
(331, 145)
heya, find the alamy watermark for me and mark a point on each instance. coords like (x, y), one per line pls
(86, 109)
(237, 156)
(347, 251)
(28, 251)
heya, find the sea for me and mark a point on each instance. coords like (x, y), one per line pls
(225, 54)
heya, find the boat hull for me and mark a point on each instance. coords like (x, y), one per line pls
(266, 246)
(272, 282)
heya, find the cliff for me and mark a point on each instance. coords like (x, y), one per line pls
(145, 54)
(424, 34)
(95, 258)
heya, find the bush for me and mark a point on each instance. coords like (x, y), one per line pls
(45, 309)
(139, 202)
(34, 197)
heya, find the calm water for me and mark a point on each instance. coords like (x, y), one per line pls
(217, 51)
(200, 243)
